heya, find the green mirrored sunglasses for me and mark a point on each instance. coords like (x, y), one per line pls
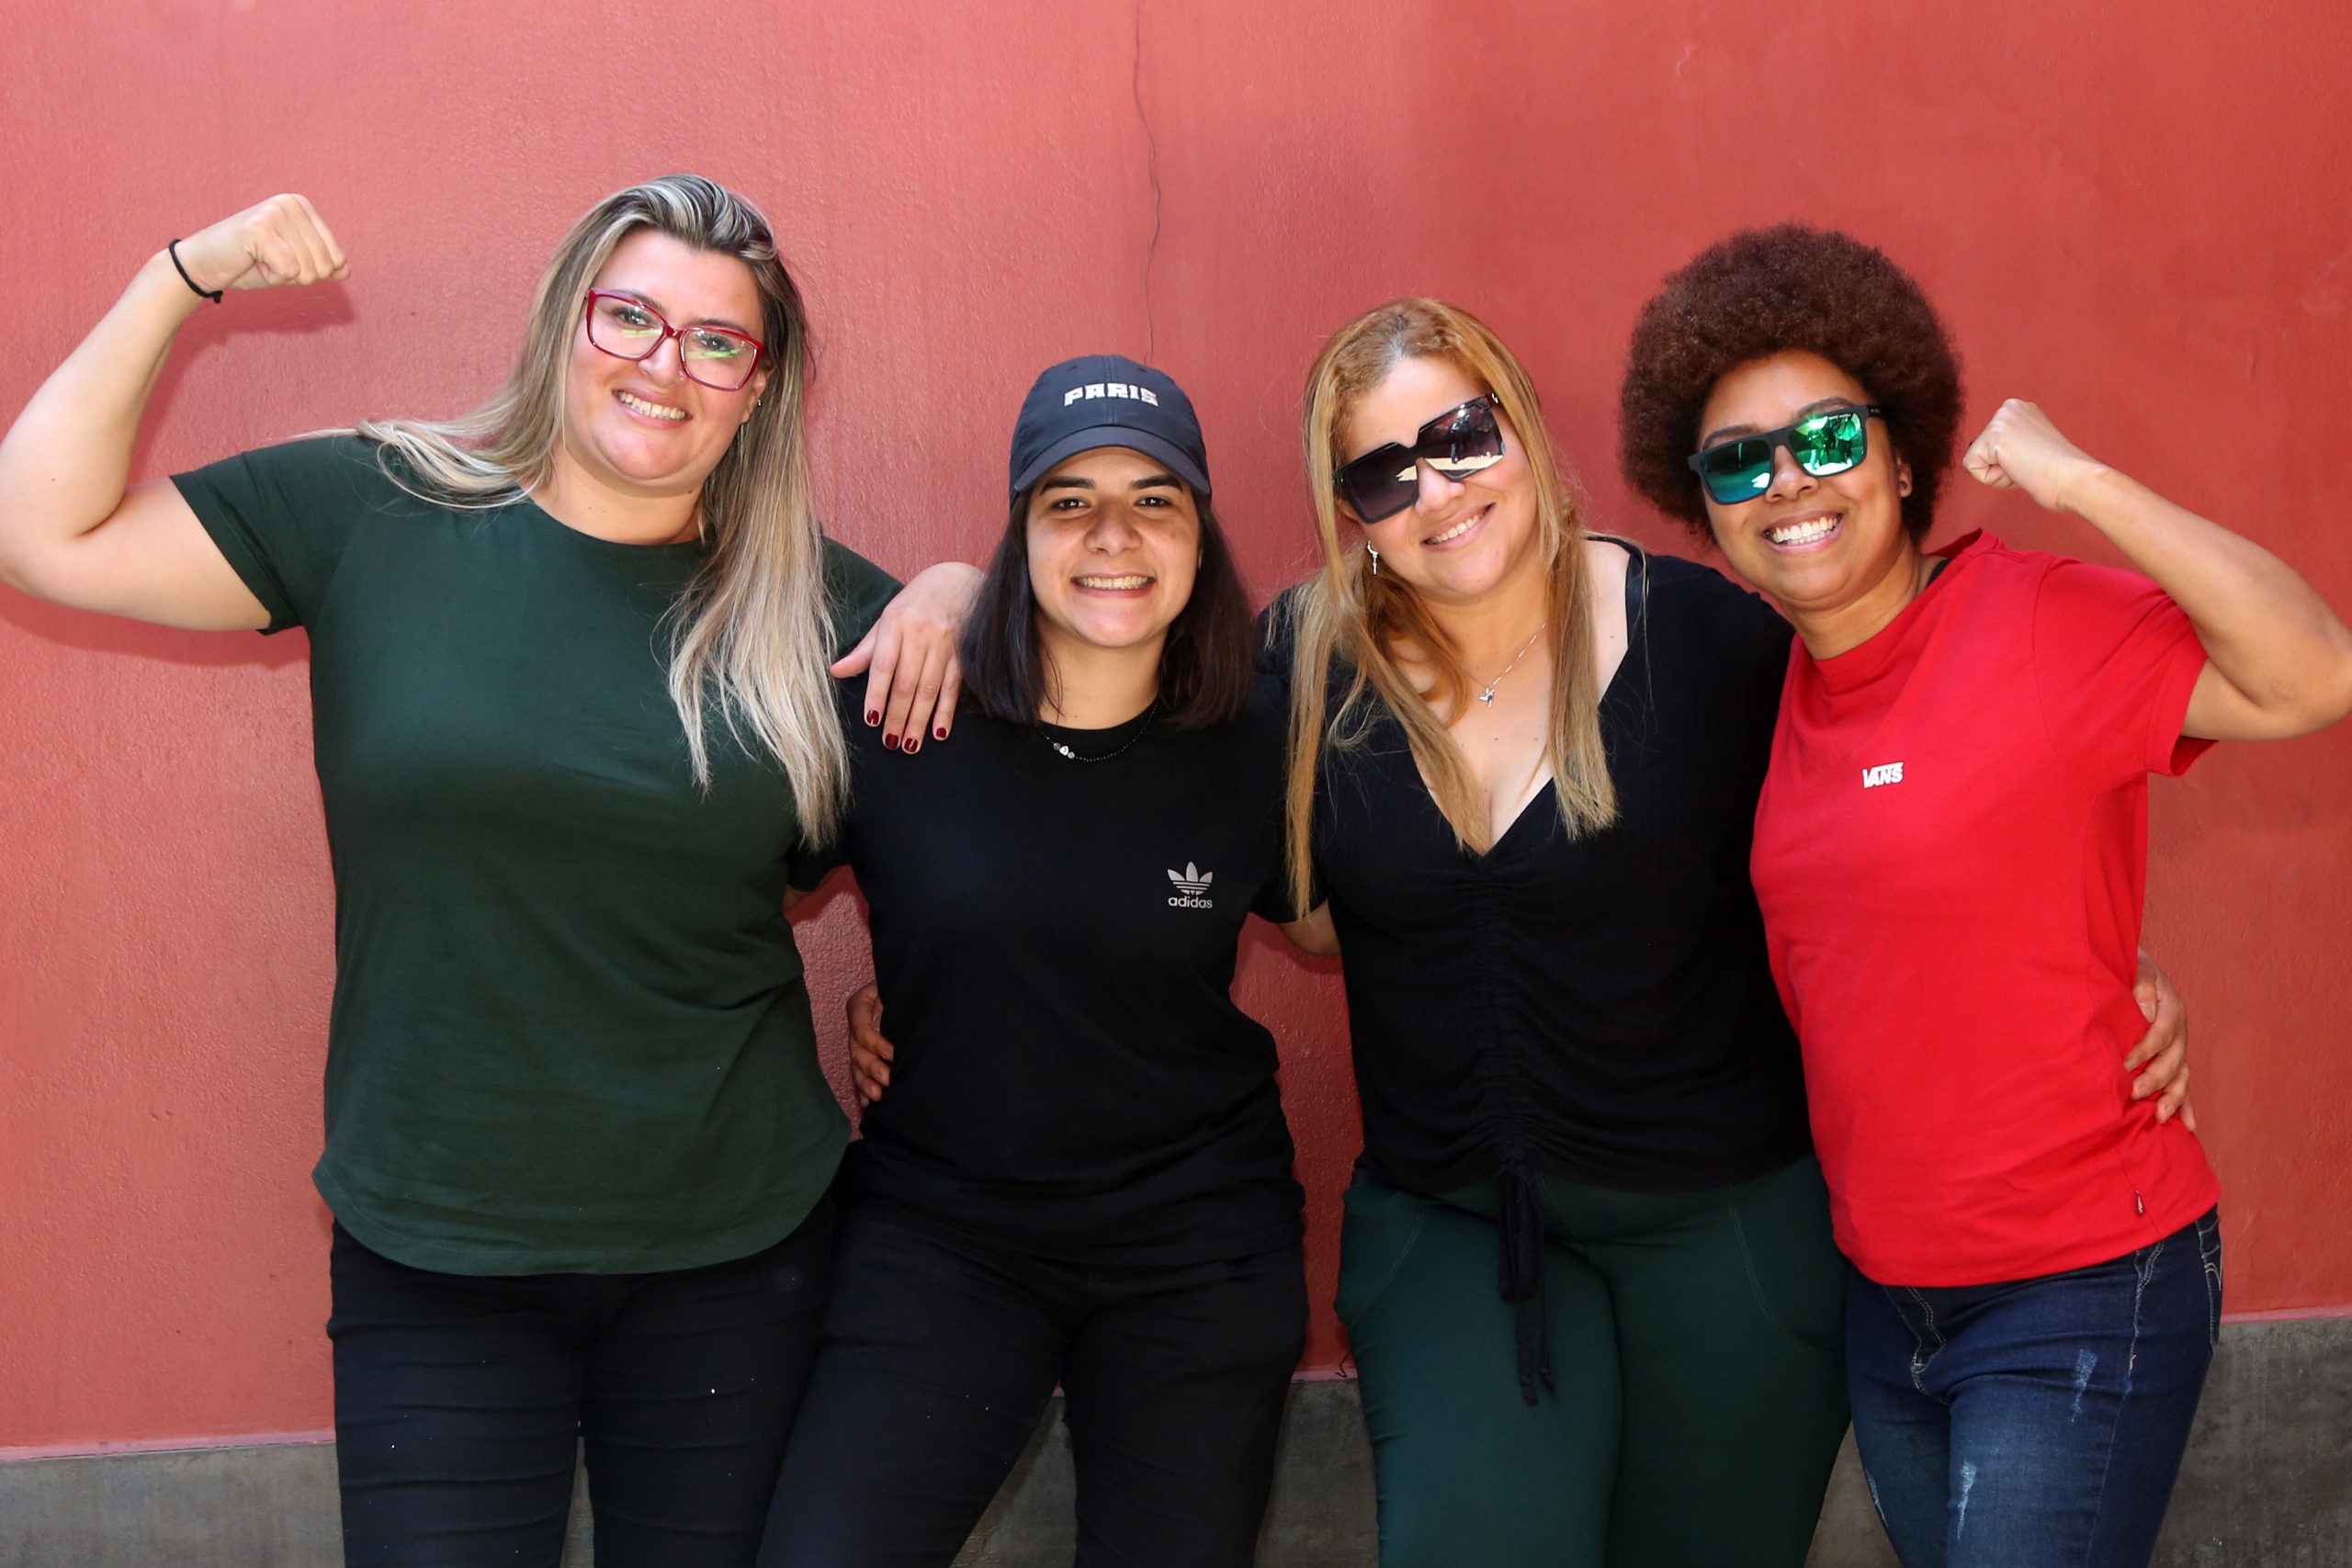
(1826, 443)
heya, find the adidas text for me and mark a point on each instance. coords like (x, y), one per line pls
(1191, 888)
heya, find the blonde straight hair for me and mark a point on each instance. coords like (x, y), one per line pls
(751, 635)
(1349, 611)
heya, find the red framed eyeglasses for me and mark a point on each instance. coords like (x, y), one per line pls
(627, 328)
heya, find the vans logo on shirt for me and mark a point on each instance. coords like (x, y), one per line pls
(1192, 886)
(1885, 773)
(1110, 390)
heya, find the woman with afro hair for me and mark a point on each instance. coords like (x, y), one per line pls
(1950, 855)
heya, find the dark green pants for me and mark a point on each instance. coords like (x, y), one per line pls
(1696, 1342)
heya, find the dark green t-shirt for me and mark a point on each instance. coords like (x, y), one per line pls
(569, 1032)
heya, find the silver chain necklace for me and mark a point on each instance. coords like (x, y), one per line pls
(1488, 697)
(1081, 757)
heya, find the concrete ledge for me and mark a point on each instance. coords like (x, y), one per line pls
(2268, 1485)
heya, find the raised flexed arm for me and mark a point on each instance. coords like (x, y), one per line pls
(2279, 659)
(71, 529)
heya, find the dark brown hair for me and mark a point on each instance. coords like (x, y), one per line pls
(1765, 291)
(1205, 665)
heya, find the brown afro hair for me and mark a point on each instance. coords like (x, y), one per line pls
(1764, 291)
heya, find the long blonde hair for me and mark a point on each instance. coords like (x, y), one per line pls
(753, 630)
(1349, 611)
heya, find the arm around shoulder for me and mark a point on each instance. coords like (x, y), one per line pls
(909, 653)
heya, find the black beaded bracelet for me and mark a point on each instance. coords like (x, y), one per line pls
(173, 251)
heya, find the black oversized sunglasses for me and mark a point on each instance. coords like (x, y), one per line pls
(1823, 444)
(1386, 479)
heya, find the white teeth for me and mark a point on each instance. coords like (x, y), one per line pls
(651, 411)
(1457, 530)
(1801, 533)
(1135, 581)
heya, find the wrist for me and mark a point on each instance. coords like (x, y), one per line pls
(2083, 491)
(179, 264)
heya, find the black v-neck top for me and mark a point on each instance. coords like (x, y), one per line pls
(1597, 1009)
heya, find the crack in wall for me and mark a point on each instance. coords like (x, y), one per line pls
(1151, 173)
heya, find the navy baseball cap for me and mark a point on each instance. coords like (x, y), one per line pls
(1107, 399)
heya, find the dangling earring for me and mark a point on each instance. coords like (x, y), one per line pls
(1375, 558)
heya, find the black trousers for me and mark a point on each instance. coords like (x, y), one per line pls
(940, 1352)
(462, 1402)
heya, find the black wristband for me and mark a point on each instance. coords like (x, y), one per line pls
(173, 250)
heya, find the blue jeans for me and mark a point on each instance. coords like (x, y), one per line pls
(2038, 1422)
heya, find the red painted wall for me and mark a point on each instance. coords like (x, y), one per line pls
(2130, 211)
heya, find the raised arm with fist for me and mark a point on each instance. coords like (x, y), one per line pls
(279, 241)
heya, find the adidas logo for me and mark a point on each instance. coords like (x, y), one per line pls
(1193, 885)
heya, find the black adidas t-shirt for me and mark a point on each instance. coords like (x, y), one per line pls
(1055, 944)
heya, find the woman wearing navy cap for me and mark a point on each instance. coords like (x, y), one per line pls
(1081, 1172)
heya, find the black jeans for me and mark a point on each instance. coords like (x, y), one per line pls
(461, 1401)
(941, 1351)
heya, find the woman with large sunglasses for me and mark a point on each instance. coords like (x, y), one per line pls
(569, 678)
(1950, 853)
(1081, 1170)
(1523, 757)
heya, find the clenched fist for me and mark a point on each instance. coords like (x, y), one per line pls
(2022, 448)
(283, 240)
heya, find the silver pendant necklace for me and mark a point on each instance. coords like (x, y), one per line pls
(1488, 697)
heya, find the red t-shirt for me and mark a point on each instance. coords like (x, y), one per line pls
(1950, 853)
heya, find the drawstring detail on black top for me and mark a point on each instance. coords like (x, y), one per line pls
(1520, 1221)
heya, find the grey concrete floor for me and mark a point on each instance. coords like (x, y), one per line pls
(2268, 1485)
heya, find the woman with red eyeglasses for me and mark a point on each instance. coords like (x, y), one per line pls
(569, 684)
(1951, 855)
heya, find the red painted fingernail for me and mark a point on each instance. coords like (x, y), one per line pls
(891, 741)
(873, 716)
(940, 734)
(914, 744)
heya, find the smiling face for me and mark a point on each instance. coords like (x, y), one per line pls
(1114, 541)
(641, 429)
(1463, 538)
(1831, 550)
